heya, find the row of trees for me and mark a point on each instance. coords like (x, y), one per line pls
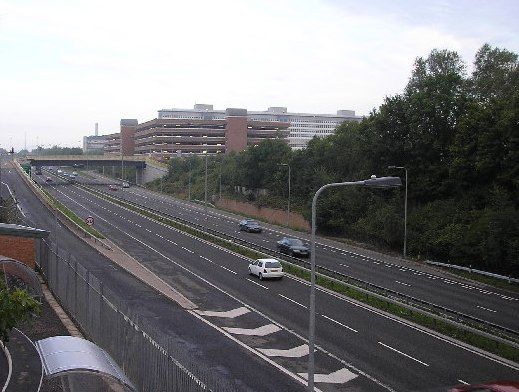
(458, 136)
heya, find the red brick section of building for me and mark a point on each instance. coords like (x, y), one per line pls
(127, 136)
(236, 133)
(19, 242)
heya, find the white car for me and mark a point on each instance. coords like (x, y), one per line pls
(266, 268)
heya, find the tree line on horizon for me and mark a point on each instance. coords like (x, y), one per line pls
(456, 133)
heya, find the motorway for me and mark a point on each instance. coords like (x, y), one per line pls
(212, 350)
(359, 348)
(478, 301)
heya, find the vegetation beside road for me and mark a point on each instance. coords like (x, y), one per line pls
(16, 306)
(72, 216)
(456, 134)
(416, 316)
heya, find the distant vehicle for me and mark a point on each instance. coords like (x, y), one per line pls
(250, 226)
(126, 185)
(48, 179)
(493, 386)
(112, 187)
(293, 247)
(74, 174)
(38, 171)
(266, 268)
(60, 171)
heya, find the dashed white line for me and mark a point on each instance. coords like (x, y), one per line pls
(205, 258)
(402, 283)
(260, 285)
(295, 302)
(463, 382)
(173, 242)
(404, 354)
(344, 265)
(227, 269)
(186, 249)
(338, 322)
(487, 309)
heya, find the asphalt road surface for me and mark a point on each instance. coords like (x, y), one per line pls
(358, 348)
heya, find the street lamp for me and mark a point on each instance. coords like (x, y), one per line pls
(205, 197)
(382, 182)
(405, 206)
(288, 207)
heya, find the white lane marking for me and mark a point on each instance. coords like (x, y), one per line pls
(173, 242)
(205, 258)
(402, 283)
(338, 322)
(264, 330)
(148, 230)
(463, 382)
(341, 376)
(227, 269)
(487, 309)
(227, 314)
(401, 353)
(291, 300)
(260, 285)
(342, 298)
(188, 250)
(377, 263)
(344, 265)
(259, 354)
(296, 352)
(158, 235)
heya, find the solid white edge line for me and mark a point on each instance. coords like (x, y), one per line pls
(341, 324)
(404, 354)
(303, 338)
(291, 300)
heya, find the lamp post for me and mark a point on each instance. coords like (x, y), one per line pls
(122, 159)
(405, 206)
(382, 182)
(189, 186)
(288, 206)
(205, 196)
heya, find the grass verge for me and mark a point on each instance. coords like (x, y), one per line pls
(483, 342)
(72, 216)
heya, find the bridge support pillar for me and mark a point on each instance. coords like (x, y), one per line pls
(139, 175)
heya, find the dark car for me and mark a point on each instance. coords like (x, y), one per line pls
(293, 247)
(494, 386)
(250, 226)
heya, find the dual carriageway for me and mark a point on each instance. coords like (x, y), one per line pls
(359, 348)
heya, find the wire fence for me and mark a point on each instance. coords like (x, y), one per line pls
(150, 358)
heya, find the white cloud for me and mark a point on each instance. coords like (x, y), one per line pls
(68, 64)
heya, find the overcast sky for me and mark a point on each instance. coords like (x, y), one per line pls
(65, 65)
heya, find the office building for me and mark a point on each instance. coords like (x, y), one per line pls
(302, 126)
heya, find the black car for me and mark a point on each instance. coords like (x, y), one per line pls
(293, 247)
(250, 226)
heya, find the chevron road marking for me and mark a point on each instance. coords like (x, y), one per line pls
(296, 352)
(341, 376)
(260, 331)
(229, 314)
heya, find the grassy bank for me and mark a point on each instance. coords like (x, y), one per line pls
(418, 317)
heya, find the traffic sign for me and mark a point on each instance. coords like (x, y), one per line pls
(89, 220)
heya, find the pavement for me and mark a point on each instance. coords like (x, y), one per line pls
(26, 365)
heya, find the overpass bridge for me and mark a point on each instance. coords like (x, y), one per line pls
(146, 169)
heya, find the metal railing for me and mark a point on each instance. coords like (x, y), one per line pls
(507, 334)
(152, 360)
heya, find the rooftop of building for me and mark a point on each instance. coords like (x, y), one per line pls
(275, 110)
